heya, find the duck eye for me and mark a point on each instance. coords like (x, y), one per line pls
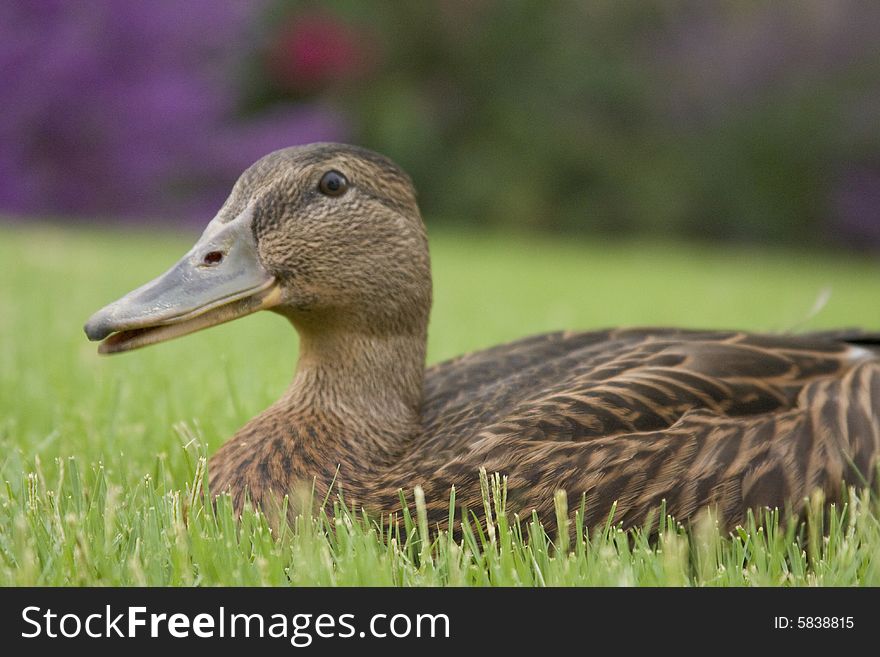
(333, 183)
(213, 258)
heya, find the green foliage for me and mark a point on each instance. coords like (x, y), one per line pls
(81, 529)
(103, 460)
(745, 121)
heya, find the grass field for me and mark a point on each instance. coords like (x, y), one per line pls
(102, 458)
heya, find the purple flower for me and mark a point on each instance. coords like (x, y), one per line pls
(130, 108)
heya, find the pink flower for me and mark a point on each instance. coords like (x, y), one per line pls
(318, 49)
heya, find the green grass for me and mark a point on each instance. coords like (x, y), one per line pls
(103, 458)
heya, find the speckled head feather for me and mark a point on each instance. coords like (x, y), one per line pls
(359, 258)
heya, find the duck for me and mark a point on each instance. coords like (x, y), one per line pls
(330, 236)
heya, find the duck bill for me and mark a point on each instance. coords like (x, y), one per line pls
(218, 280)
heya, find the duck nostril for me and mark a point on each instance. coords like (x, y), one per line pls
(213, 257)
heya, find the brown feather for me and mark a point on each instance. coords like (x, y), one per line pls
(634, 416)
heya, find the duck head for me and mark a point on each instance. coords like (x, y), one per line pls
(328, 235)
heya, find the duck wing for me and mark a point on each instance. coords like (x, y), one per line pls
(626, 379)
(642, 415)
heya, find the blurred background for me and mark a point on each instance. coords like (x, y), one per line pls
(736, 121)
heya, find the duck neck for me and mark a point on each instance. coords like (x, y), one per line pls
(363, 389)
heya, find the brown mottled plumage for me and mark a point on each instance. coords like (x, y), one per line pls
(637, 416)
